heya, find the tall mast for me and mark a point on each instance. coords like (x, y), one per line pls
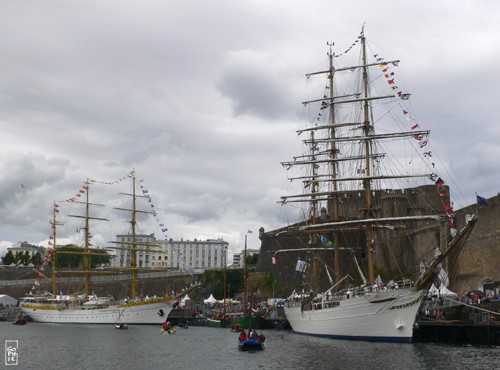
(314, 212)
(245, 275)
(86, 257)
(367, 182)
(135, 246)
(54, 223)
(133, 223)
(86, 247)
(334, 164)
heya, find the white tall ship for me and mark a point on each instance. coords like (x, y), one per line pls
(356, 195)
(85, 307)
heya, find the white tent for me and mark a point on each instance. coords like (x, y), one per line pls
(183, 300)
(229, 301)
(444, 291)
(7, 300)
(210, 300)
(433, 289)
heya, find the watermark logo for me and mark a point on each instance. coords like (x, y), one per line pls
(11, 353)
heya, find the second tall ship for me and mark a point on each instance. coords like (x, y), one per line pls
(86, 307)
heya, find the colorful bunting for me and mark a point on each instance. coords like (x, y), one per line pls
(326, 243)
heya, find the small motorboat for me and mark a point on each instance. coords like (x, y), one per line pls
(252, 342)
(236, 328)
(251, 345)
(20, 320)
(121, 326)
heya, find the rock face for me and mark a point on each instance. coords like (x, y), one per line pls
(478, 262)
(394, 250)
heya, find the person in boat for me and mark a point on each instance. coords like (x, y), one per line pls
(242, 337)
(165, 326)
(253, 334)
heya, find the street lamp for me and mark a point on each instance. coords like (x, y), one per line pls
(245, 275)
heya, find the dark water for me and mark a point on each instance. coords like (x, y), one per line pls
(58, 346)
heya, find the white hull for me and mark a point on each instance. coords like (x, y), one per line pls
(384, 316)
(138, 314)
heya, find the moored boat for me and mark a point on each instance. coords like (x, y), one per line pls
(87, 308)
(359, 206)
(121, 326)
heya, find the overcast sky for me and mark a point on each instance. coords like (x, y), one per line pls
(202, 99)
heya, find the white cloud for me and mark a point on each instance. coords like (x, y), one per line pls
(204, 103)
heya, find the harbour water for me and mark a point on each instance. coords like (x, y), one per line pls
(59, 346)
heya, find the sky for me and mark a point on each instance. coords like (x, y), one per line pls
(202, 99)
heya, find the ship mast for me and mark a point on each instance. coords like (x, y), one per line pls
(86, 248)
(133, 222)
(368, 212)
(54, 223)
(334, 164)
(314, 212)
(135, 246)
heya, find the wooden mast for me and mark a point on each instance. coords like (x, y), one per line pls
(245, 275)
(86, 247)
(133, 222)
(368, 212)
(314, 211)
(134, 245)
(86, 259)
(54, 223)
(334, 155)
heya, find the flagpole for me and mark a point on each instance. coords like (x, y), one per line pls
(245, 275)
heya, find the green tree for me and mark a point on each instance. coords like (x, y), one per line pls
(252, 260)
(96, 261)
(215, 278)
(8, 258)
(24, 258)
(72, 256)
(36, 260)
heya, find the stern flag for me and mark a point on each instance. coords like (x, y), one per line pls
(274, 259)
(481, 201)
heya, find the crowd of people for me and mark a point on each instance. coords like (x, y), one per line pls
(252, 334)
